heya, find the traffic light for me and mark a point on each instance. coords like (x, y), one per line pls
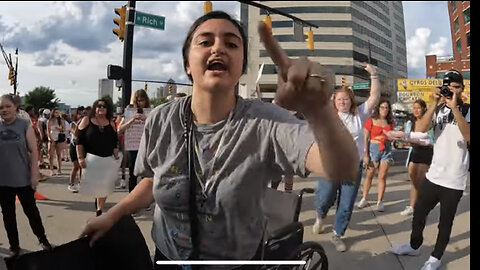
(207, 7)
(11, 75)
(145, 87)
(120, 31)
(344, 81)
(268, 21)
(170, 89)
(310, 40)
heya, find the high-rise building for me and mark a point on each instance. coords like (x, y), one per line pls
(105, 88)
(436, 66)
(349, 35)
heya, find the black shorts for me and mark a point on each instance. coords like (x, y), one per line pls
(422, 154)
(73, 152)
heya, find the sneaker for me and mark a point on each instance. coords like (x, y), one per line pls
(432, 264)
(380, 206)
(405, 249)
(407, 212)
(98, 213)
(73, 188)
(362, 203)
(338, 243)
(123, 184)
(318, 226)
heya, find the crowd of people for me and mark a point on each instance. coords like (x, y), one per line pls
(206, 160)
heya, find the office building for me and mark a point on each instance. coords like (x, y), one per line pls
(349, 35)
(105, 88)
(436, 66)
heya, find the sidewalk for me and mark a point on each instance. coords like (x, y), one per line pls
(371, 234)
(368, 238)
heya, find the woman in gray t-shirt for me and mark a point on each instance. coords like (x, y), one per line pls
(19, 168)
(236, 146)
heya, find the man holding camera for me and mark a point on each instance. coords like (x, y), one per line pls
(447, 177)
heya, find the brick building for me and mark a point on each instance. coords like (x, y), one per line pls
(459, 13)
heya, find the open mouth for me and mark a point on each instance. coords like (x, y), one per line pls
(217, 66)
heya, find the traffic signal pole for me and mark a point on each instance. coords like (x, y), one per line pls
(15, 73)
(128, 54)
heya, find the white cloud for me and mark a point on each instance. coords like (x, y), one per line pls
(420, 45)
(68, 45)
(439, 48)
(416, 47)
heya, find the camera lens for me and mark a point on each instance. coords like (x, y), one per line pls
(445, 91)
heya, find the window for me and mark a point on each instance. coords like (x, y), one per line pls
(440, 75)
(468, 39)
(454, 5)
(466, 74)
(459, 45)
(456, 25)
(466, 15)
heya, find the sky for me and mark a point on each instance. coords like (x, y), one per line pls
(67, 45)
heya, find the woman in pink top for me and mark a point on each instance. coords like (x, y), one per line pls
(377, 151)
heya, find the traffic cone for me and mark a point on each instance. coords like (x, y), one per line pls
(39, 196)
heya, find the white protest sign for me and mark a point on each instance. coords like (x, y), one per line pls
(133, 134)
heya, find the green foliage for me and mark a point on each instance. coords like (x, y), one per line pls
(42, 97)
(157, 101)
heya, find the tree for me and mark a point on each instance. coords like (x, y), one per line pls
(42, 97)
(157, 101)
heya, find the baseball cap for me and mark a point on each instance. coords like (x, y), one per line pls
(453, 76)
(46, 111)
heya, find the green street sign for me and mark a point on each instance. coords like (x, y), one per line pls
(358, 86)
(149, 20)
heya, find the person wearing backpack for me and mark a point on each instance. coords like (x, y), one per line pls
(446, 178)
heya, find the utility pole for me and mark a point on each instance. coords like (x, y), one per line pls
(369, 53)
(128, 54)
(15, 72)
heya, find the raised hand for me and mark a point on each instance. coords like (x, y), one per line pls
(301, 82)
(372, 70)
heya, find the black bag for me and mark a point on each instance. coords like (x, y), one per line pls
(123, 247)
(61, 138)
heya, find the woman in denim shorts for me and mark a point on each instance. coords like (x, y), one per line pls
(378, 151)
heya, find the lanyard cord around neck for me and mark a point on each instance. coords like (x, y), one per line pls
(192, 210)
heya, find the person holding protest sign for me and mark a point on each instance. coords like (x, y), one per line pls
(140, 102)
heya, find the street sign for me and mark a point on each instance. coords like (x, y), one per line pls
(358, 86)
(149, 20)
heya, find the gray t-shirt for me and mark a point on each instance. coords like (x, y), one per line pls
(258, 140)
(14, 155)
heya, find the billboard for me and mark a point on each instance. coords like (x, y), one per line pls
(410, 90)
